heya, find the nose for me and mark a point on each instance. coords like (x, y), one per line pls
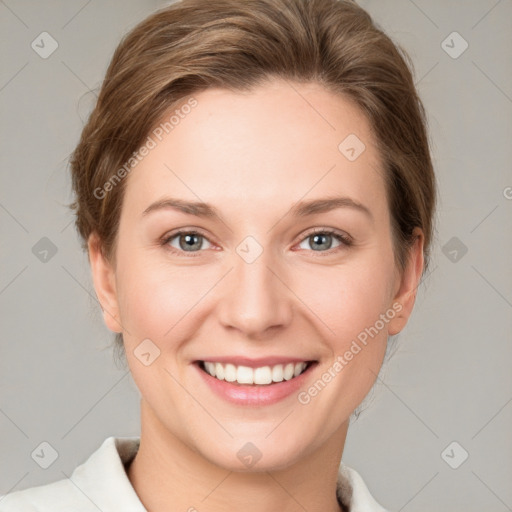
(255, 299)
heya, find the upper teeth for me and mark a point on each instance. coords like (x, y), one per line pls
(247, 375)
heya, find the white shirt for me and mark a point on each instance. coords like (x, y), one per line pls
(101, 483)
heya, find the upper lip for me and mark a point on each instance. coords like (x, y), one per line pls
(255, 363)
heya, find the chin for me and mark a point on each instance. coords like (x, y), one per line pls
(254, 456)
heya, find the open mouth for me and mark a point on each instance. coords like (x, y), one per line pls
(262, 376)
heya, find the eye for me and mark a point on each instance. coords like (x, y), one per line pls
(321, 240)
(187, 241)
(192, 241)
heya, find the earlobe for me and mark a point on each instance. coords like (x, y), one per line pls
(408, 283)
(104, 283)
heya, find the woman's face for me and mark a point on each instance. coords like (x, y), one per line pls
(253, 286)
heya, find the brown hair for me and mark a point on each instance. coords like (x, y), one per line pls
(193, 45)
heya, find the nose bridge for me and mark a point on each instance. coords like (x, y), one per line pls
(255, 298)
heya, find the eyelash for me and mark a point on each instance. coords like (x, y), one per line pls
(344, 239)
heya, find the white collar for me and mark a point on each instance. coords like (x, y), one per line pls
(101, 483)
(115, 452)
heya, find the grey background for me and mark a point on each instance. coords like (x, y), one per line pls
(450, 378)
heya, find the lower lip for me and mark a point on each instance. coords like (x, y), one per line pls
(254, 395)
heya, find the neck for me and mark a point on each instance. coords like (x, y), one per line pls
(166, 471)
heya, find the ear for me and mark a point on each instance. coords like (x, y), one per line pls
(406, 285)
(103, 277)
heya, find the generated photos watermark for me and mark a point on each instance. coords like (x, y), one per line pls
(305, 397)
(150, 143)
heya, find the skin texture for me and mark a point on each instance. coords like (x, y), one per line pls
(252, 156)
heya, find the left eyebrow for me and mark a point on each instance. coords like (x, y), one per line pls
(301, 209)
(305, 208)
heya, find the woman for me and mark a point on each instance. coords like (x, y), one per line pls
(255, 192)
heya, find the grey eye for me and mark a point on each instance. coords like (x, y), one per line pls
(319, 241)
(188, 241)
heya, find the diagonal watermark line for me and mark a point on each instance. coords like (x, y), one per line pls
(79, 79)
(198, 301)
(216, 487)
(14, 423)
(279, 424)
(199, 403)
(97, 402)
(13, 13)
(416, 84)
(14, 76)
(289, 83)
(13, 279)
(168, 168)
(425, 14)
(300, 199)
(10, 490)
(14, 218)
(94, 298)
(384, 384)
(493, 287)
(82, 491)
(425, 277)
(489, 421)
(286, 491)
(407, 502)
(492, 81)
(485, 15)
(76, 14)
(508, 508)
(66, 226)
(484, 218)
(301, 300)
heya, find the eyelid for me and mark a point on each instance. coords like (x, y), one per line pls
(165, 240)
(344, 238)
(331, 231)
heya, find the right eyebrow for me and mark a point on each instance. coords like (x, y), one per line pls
(197, 208)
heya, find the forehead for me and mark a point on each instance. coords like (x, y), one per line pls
(277, 144)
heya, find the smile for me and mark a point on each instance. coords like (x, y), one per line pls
(246, 375)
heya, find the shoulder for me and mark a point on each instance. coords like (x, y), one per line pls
(100, 483)
(353, 493)
(60, 495)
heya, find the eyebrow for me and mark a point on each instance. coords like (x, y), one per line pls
(301, 209)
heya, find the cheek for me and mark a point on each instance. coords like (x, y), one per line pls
(353, 304)
(152, 296)
(347, 299)
(157, 299)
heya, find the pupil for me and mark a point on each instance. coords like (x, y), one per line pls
(317, 237)
(189, 241)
